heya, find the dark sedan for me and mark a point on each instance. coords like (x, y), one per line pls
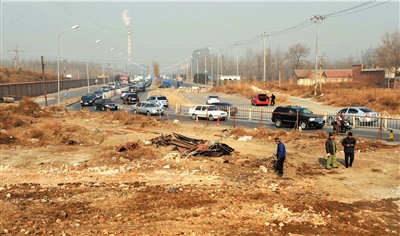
(104, 104)
(88, 100)
(227, 107)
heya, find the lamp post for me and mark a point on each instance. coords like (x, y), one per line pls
(104, 80)
(58, 62)
(87, 65)
(205, 66)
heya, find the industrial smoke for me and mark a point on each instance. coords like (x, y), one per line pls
(127, 19)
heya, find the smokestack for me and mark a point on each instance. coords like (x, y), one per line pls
(127, 20)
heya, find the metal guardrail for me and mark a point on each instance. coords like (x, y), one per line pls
(264, 114)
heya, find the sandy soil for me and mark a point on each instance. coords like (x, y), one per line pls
(65, 173)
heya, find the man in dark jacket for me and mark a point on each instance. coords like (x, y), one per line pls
(331, 150)
(349, 143)
(281, 155)
(272, 100)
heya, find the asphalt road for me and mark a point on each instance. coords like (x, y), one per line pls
(247, 118)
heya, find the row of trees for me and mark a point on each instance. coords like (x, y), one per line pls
(251, 64)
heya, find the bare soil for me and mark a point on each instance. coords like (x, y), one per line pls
(83, 173)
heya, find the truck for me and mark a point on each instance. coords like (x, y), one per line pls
(124, 80)
(209, 112)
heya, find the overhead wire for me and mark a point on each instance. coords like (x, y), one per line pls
(308, 22)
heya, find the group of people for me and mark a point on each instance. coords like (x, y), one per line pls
(348, 144)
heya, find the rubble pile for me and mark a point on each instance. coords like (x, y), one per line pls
(189, 146)
(193, 89)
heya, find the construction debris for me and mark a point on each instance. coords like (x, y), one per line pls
(129, 146)
(189, 146)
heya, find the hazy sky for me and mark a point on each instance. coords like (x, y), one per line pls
(169, 31)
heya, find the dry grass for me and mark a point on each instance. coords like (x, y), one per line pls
(335, 94)
(10, 75)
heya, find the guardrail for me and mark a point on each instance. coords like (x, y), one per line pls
(264, 114)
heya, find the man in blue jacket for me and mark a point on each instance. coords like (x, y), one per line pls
(281, 155)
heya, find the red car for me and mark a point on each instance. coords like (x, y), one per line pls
(261, 99)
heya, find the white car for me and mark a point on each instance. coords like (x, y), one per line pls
(148, 108)
(209, 112)
(210, 99)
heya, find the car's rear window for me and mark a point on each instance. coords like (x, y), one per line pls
(366, 110)
(162, 98)
(213, 97)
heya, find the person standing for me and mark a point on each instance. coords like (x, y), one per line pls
(349, 143)
(272, 100)
(281, 156)
(331, 150)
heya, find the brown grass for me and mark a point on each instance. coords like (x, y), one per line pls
(333, 94)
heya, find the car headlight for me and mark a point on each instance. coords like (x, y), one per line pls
(106, 105)
(311, 119)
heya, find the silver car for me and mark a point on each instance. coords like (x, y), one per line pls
(158, 99)
(362, 115)
(148, 108)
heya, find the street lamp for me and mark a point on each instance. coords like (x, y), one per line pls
(87, 65)
(205, 66)
(316, 19)
(104, 80)
(58, 62)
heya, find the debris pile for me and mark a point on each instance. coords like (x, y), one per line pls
(193, 89)
(189, 146)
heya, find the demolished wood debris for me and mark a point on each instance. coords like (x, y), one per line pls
(189, 146)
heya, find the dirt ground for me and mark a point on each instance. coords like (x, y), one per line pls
(83, 173)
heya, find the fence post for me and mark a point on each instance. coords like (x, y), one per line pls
(229, 112)
(354, 120)
(249, 114)
(176, 108)
(385, 124)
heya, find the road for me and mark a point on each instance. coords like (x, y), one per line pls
(248, 116)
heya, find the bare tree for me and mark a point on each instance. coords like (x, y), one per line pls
(296, 55)
(388, 53)
(368, 57)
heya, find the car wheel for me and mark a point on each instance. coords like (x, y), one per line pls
(95, 107)
(148, 113)
(303, 125)
(116, 108)
(210, 118)
(194, 116)
(278, 123)
(134, 111)
(102, 108)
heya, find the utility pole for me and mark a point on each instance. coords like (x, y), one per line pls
(16, 56)
(264, 58)
(237, 57)
(279, 70)
(320, 74)
(44, 83)
(64, 67)
(316, 19)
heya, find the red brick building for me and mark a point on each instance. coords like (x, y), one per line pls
(375, 76)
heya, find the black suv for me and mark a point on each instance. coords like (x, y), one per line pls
(287, 115)
(130, 98)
